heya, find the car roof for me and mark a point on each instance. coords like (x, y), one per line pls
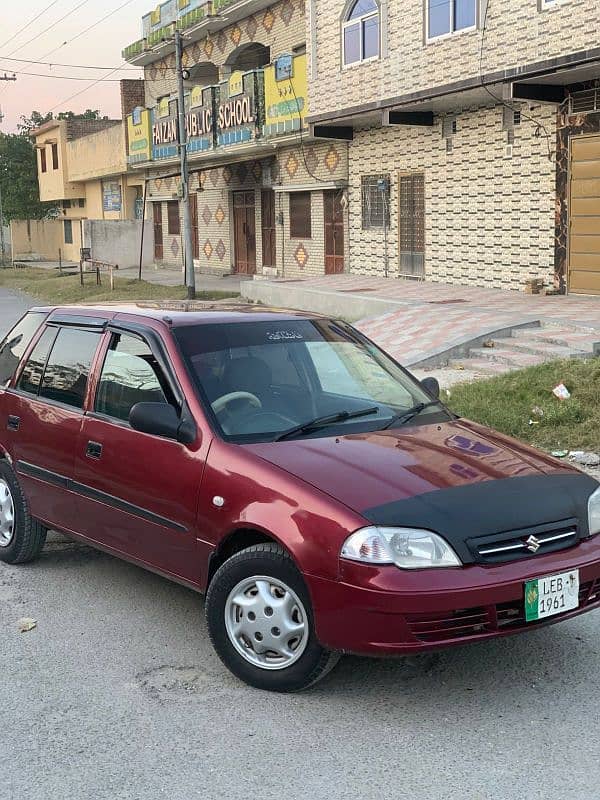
(178, 313)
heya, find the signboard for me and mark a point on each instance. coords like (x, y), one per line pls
(199, 124)
(163, 107)
(138, 133)
(285, 95)
(111, 196)
(239, 114)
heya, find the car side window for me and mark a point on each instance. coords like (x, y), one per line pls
(130, 375)
(31, 375)
(14, 345)
(66, 374)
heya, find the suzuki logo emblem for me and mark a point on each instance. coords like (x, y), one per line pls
(533, 544)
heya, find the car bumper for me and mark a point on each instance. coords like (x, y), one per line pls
(388, 611)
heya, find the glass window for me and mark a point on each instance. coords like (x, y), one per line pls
(300, 215)
(375, 198)
(68, 225)
(360, 32)
(130, 375)
(66, 375)
(263, 378)
(31, 376)
(450, 16)
(14, 345)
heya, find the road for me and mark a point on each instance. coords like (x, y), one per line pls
(117, 695)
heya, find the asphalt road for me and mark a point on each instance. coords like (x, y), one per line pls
(117, 695)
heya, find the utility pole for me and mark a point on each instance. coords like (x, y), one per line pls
(2, 244)
(188, 247)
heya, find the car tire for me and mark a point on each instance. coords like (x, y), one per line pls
(22, 539)
(258, 576)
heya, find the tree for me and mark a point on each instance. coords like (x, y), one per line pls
(19, 179)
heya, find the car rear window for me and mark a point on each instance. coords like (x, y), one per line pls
(16, 343)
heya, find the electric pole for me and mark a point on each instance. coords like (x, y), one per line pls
(190, 277)
(2, 244)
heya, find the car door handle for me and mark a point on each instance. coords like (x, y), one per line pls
(14, 423)
(93, 450)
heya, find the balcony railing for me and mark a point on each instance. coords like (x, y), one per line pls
(161, 34)
(190, 19)
(134, 49)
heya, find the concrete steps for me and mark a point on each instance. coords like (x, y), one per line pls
(527, 347)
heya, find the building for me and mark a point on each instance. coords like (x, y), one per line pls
(473, 135)
(83, 170)
(266, 197)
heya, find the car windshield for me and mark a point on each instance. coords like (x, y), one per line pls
(267, 381)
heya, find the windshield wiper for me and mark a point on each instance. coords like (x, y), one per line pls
(330, 419)
(406, 416)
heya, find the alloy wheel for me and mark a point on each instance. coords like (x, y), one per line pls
(7, 514)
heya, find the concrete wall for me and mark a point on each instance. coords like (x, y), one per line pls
(55, 184)
(489, 216)
(36, 240)
(517, 32)
(119, 242)
(5, 256)
(98, 155)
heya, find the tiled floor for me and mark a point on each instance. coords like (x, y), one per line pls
(432, 317)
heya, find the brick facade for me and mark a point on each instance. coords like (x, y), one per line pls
(489, 216)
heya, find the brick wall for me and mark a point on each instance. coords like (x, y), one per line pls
(133, 94)
(280, 27)
(76, 128)
(489, 218)
(516, 33)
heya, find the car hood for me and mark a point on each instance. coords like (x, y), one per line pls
(456, 478)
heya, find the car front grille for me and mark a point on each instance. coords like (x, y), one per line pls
(469, 622)
(526, 543)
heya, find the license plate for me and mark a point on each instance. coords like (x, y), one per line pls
(552, 594)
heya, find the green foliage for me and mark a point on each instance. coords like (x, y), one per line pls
(507, 404)
(19, 180)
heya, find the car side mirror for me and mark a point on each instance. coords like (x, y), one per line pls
(158, 419)
(432, 387)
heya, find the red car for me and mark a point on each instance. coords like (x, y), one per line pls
(323, 499)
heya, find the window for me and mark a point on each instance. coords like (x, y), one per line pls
(43, 162)
(174, 226)
(300, 215)
(14, 345)
(67, 204)
(360, 32)
(411, 202)
(81, 203)
(33, 370)
(54, 156)
(450, 16)
(68, 226)
(375, 197)
(130, 375)
(66, 374)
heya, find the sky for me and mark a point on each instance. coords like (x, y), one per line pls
(101, 46)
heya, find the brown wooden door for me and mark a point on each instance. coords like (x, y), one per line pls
(158, 231)
(194, 222)
(244, 227)
(334, 232)
(584, 216)
(268, 228)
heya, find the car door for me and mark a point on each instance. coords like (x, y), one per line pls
(44, 417)
(138, 493)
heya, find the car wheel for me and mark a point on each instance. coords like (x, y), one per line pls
(261, 624)
(21, 537)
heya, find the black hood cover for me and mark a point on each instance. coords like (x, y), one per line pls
(463, 513)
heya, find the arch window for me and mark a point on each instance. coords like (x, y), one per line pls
(361, 32)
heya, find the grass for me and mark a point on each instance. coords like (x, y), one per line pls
(506, 403)
(49, 286)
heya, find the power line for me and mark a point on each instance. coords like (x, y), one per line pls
(54, 64)
(85, 89)
(66, 77)
(49, 28)
(29, 22)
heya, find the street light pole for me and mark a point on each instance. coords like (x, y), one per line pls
(188, 248)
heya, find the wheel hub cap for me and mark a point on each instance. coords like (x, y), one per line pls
(266, 622)
(7, 514)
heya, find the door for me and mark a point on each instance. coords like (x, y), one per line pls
(411, 223)
(244, 231)
(158, 231)
(268, 228)
(584, 216)
(194, 223)
(137, 493)
(334, 232)
(47, 414)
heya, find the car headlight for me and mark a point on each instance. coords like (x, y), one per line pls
(407, 548)
(594, 512)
